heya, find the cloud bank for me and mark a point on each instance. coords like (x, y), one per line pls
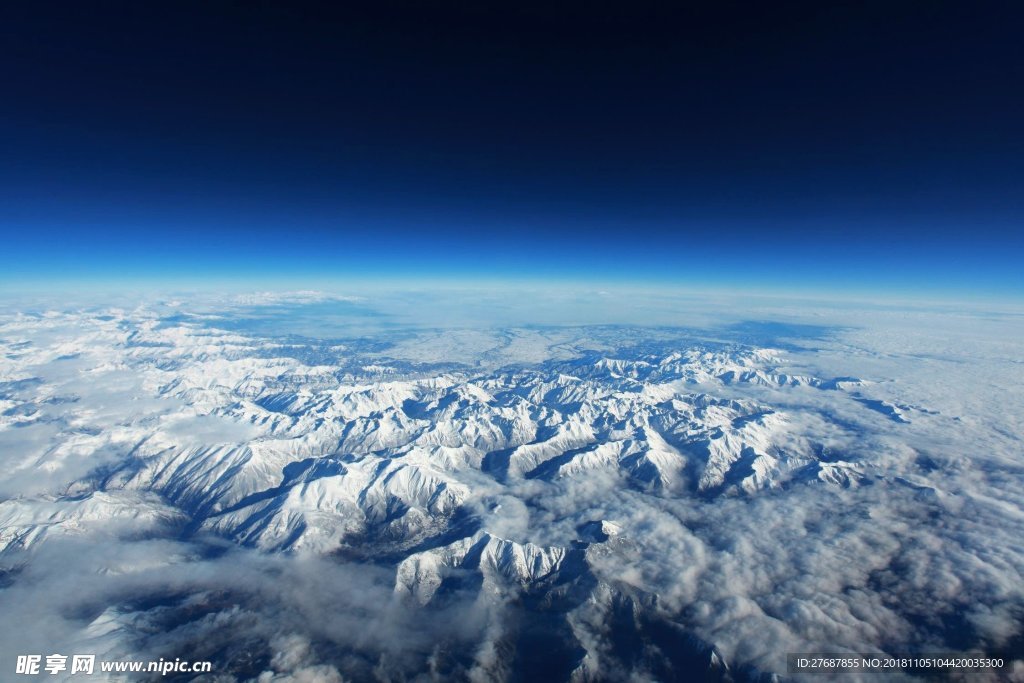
(585, 503)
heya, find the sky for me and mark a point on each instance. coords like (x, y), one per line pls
(873, 147)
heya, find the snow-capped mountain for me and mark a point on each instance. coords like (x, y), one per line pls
(641, 502)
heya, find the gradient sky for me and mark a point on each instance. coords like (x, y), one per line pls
(861, 146)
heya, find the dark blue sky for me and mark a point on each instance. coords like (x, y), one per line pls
(853, 146)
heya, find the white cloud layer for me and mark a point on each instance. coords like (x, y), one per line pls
(593, 502)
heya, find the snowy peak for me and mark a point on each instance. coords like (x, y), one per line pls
(598, 531)
(500, 563)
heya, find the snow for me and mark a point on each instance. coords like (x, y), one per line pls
(761, 493)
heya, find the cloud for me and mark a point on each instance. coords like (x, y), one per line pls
(917, 548)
